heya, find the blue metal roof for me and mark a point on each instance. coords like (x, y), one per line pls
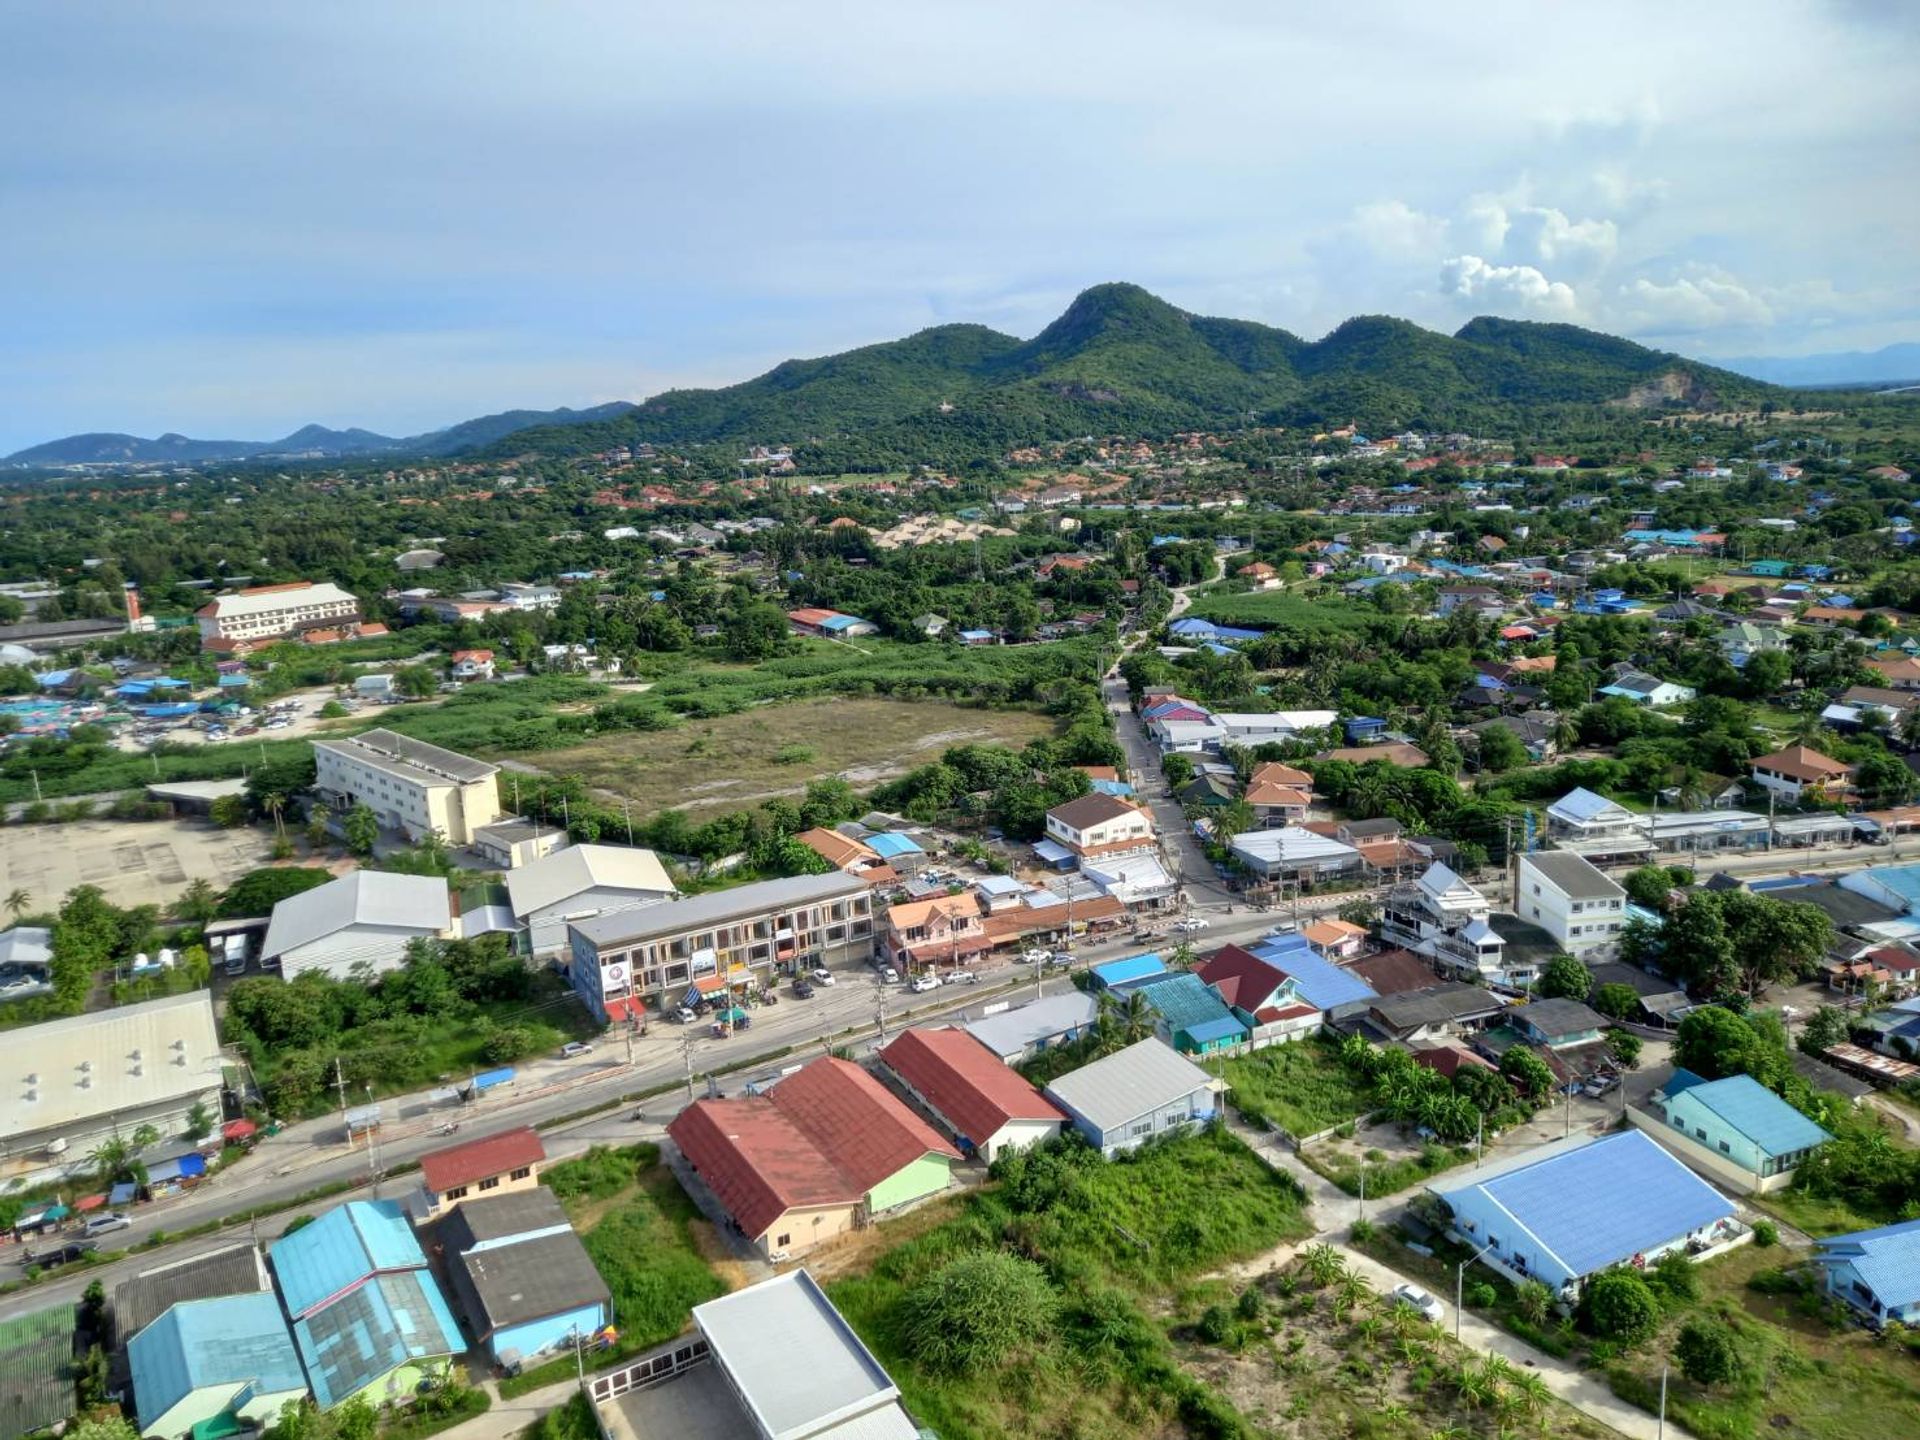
(1752, 1110)
(890, 846)
(380, 1326)
(841, 622)
(1133, 967)
(1208, 1031)
(1319, 982)
(1113, 787)
(1604, 1201)
(229, 1340)
(1887, 1259)
(1188, 1005)
(341, 1248)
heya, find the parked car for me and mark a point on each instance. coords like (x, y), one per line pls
(802, 990)
(888, 975)
(106, 1224)
(58, 1254)
(1414, 1298)
(924, 982)
(1035, 956)
(961, 977)
(686, 1015)
(573, 1049)
(1192, 925)
(822, 976)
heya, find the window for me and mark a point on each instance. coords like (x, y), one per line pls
(782, 1241)
(1725, 1148)
(522, 1173)
(492, 1182)
(1699, 1133)
(1140, 1127)
(459, 1192)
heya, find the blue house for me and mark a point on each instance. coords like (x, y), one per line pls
(214, 1363)
(1319, 982)
(1193, 1019)
(1193, 628)
(1733, 1130)
(1364, 729)
(525, 1281)
(1877, 1272)
(1115, 973)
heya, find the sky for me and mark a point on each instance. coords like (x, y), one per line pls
(232, 219)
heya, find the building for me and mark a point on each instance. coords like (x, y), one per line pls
(413, 787)
(142, 1298)
(1332, 988)
(524, 1281)
(829, 624)
(725, 939)
(1431, 1015)
(945, 930)
(1126, 1098)
(472, 665)
(1445, 919)
(1295, 855)
(1023, 1031)
(1335, 940)
(368, 1318)
(1558, 1023)
(494, 1165)
(1801, 772)
(1261, 997)
(578, 883)
(824, 1150)
(509, 844)
(1563, 1212)
(1279, 795)
(1639, 688)
(1566, 896)
(1877, 1272)
(1097, 825)
(1594, 825)
(77, 1082)
(36, 1357)
(358, 924)
(209, 1367)
(274, 612)
(988, 1107)
(1734, 1130)
(843, 852)
(1191, 1017)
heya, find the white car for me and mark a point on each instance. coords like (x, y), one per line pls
(887, 974)
(574, 1049)
(961, 977)
(1035, 957)
(822, 977)
(924, 983)
(1414, 1298)
(1192, 925)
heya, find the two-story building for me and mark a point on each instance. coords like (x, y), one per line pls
(1594, 826)
(500, 1164)
(1566, 896)
(1097, 825)
(1279, 795)
(1733, 1130)
(947, 930)
(1800, 772)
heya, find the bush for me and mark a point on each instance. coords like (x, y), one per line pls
(1765, 1234)
(1216, 1325)
(1708, 1352)
(1619, 1305)
(977, 1311)
(1674, 1275)
(1481, 1295)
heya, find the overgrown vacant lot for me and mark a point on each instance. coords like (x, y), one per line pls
(733, 761)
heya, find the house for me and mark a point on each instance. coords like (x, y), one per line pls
(1566, 896)
(1563, 1212)
(1335, 939)
(1100, 825)
(272, 612)
(411, 786)
(1262, 997)
(1191, 1017)
(78, 1082)
(825, 1149)
(1125, 1098)
(1558, 1024)
(1444, 918)
(1025, 1030)
(829, 624)
(524, 1281)
(360, 923)
(473, 664)
(367, 1316)
(1799, 771)
(1139, 882)
(1740, 641)
(1293, 853)
(1260, 575)
(214, 1366)
(1321, 984)
(142, 1298)
(989, 1108)
(1279, 794)
(1643, 689)
(578, 883)
(945, 930)
(720, 941)
(509, 844)
(1734, 1130)
(1431, 1015)
(505, 1163)
(1593, 824)
(1877, 1272)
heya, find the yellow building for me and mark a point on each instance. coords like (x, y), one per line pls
(412, 786)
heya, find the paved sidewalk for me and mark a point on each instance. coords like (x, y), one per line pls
(509, 1418)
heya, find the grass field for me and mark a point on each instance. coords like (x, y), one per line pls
(733, 761)
(1302, 1088)
(1273, 607)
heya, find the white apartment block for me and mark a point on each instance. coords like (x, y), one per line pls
(410, 785)
(1572, 901)
(270, 612)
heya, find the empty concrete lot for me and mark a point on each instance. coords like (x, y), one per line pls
(133, 862)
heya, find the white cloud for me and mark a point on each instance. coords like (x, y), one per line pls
(1506, 287)
(1395, 230)
(1700, 301)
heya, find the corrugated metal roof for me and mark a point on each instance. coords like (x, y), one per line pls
(231, 1340)
(109, 1062)
(1015, 1031)
(1184, 1002)
(477, 1159)
(1752, 1110)
(1130, 1083)
(966, 1082)
(890, 845)
(392, 1320)
(366, 897)
(1132, 967)
(1887, 1259)
(1319, 982)
(579, 868)
(341, 1248)
(627, 927)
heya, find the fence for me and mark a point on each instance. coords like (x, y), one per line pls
(650, 1369)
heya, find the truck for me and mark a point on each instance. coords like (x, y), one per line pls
(233, 954)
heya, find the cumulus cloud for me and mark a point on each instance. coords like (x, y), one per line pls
(1536, 235)
(1506, 287)
(1690, 304)
(1395, 230)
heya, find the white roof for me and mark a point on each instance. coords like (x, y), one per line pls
(1583, 805)
(265, 602)
(26, 945)
(108, 1062)
(366, 897)
(555, 878)
(1129, 1083)
(1177, 731)
(1011, 1032)
(1280, 720)
(1447, 888)
(1128, 873)
(1292, 844)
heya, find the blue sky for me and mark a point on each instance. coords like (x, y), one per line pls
(233, 219)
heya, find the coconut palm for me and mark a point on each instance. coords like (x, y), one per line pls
(1566, 732)
(1350, 1292)
(1323, 1264)
(1473, 1387)
(18, 900)
(1529, 1392)
(1138, 1018)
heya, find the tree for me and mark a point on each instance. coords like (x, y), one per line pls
(362, 828)
(1825, 1028)
(1619, 1305)
(258, 891)
(1884, 780)
(1527, 1071)
(198, 901)
(229, 812)
(1565, 978)
(199, 1122)
(416, 681)
(1501, 750)
(1714, 1042)
(18, 900)
(1625, 1047)
(1697, 948)
(317, 817)
(1649, 886)
(755, 631)
(1615, 1000)
(1707, 1351)
(102, 1426)
(977, 1312)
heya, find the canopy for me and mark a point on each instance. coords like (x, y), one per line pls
(89, 1202)
(181, 1167)
(123, 1193)
(238, 1130)
(55, 1212)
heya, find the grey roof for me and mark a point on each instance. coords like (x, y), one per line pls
(1526, 942)
(412, 760)
(556, 878)
(717, 907)
(143, 1298)
(1129, 1083)
(26, 945)
(1560, 1017)
(1015, 1031)
(108, 1062)
(366, 897)
(1572, 875)
(530, 1279)
(1844, 907)
(1436, 1005)
(495, 1217)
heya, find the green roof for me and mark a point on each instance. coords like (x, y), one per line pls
(36, 1358)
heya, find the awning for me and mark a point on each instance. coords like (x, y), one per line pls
(238, 1130)
(625, 1009)
(710, 984)
(89, 1202)
(1052, 851)
(183, 1167)
(123, 1193)
(54, 1212)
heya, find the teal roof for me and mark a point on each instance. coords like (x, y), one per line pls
(1188, 1006)
(1748, 1108)
(227, 1341)
(374, 1329)
(340, 1249)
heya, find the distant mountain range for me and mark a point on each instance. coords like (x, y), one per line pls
(1119, 360)
(1888, 365)
(308, 442)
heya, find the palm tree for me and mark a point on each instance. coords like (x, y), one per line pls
(1566, 732)
(1138, 1019)
(275, 804)
(17, 902)
(109, 1158)
(1323, 1264)
(1530, 1393)
(1349, 1292)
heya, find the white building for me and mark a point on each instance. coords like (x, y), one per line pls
(1098, 825)
(578, 883)
(1294, 853)
(1278, 726)
(1443, 917)
(270, 612)
(410, 785)
(74, 1083)
(1572, 901)
(360, 923)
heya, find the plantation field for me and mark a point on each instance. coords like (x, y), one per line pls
(737, 760)
(1273, 607)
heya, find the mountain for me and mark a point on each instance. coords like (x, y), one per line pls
(1122, 360)
(310, 441)
(1888, 365)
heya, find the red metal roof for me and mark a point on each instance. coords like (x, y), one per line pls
(457, 1165)
(863, 1130)
(969, 1085)
(756, 1162)
(1241, 978)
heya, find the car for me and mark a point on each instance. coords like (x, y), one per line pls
(686, 1015)
(822, 976)
(1192, 925)
(803, 990)
(886, 973)
(58, 1254)
(574, 1049)
(1035, 957)
(1414, 1298)
(1285, 927)
(961, 977)
(105, 1224)
(923, 983)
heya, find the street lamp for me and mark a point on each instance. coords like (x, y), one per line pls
(1460, 1284)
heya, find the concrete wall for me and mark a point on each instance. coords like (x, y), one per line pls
(537, 1337)
(401, 1384)
(928, 1175)
(1018, 1135)
(799, 1231)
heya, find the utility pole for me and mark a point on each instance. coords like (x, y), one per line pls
(1661, 1433)
(373, 1149)
(340, 1084)
(626, 807)
(686, 1057)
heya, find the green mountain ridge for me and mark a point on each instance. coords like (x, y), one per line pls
(1120, 360)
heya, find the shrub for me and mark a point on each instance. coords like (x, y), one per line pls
(1674, 1274)
(1216, 1325)
(1480, 1295)
(1708, 1352)
(1765, 1234)
(1619, 1305)
(1532, 1299)
(977, 1311)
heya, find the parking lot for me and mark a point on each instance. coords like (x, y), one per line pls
(134, 862)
